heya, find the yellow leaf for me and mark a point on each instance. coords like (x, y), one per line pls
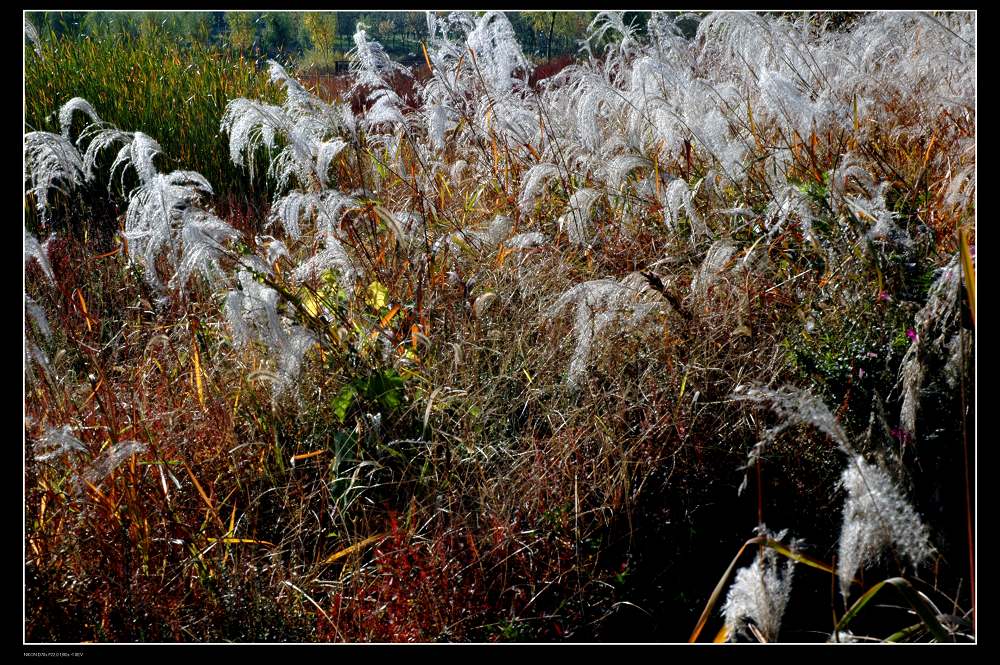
(502, 255)
(378, 295)
(309, 303)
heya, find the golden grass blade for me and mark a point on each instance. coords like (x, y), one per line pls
(309, 598)
(83, 306)
(427, 58)
(968, 271)
(250, 541)
(197, 374)
(302, 456)
(801, 558)
(93, 393)
(390, 316)
(904, 633)
(927, 615)
(354, 548)
(204, 496)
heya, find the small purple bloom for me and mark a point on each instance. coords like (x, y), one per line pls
(912, 334)
(901, 435)
(883, 296)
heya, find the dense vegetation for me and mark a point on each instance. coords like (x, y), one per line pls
(312, 39)
(482, 351)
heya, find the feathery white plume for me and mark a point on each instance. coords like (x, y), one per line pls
(876, 518)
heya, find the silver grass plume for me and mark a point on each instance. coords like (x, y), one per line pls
(203, 237)
(275, 249)
(109, 460)
(31, 36)
(533, 181)
(33, 250)
(527, 240)
(715, 260)
(678, 195)
(298, 207)
(252, 125)
(618, 169)
(497, 52)
(36, 314)
(56, 442)
(52, 163)
(164, 217)
(252, 314)
(138, 153)
(796, 406)
(73, 106)
(613, 20)
(759, 594)
(32, 352)
(877, 517)
(577, 218)
(596, 305)
(372, 68)
(333, 256)
(309, 127)
(790, 202)
(33, 311)
(938, 331)
(478, 240)
(793, 406)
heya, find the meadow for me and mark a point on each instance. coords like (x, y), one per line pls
(670, 342)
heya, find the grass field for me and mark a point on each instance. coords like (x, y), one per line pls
(672, 342)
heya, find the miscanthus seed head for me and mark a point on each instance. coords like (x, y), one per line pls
(877, 518)
(759, 595)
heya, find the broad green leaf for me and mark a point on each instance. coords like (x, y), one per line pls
(342, 402)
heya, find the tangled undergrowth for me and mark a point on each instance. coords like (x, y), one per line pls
(520, 360)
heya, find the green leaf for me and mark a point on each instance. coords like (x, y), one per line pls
(342, 402)
(386, 388)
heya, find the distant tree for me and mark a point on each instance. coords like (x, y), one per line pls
(240, 29)
(190, 27)
(523, 29)
(398, 20)
(387, 30)
(415, 25)
(281, 32)
(100, 24)
(63, 24)
(322, 30)
(150, 23)
(567, 27)
(346, 22)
